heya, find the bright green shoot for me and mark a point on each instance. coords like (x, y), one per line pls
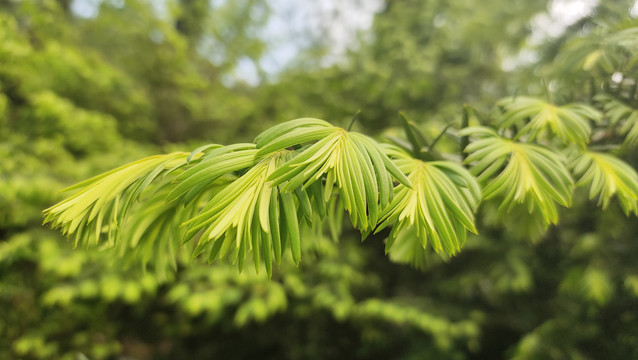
(253, 200)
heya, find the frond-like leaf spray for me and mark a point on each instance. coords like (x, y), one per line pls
(527, 174)
(607, 176)
(569, 122)
(440, 205)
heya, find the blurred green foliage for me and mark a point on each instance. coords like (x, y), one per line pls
(79, 96)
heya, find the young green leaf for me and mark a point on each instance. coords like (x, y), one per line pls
(291, 133)
(247, 208)
(621, 114)
(440, 205)
(607, 176)
(286, 127)
(526, 173)
(568, 122)
(108, 196)
(217, 163)
(355, 163)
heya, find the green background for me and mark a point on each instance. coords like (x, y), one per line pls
(81, 95)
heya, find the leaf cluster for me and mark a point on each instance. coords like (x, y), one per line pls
(256, 198)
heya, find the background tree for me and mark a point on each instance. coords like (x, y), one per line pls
(77, 99)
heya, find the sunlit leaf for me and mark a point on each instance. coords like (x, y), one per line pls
(104, 201)
(210, 167)
(440, 205)
(352, 161)
(606, 176)
(284, 128)
(293, 132)
(240, 211)
(534, 117)
(520, 173)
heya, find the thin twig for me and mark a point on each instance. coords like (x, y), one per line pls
(354, 118)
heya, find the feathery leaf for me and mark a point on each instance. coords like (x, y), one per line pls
(358, 166)
(527, 173)
(440, 205)
(607, 176)
(104, 200)
(620, 113)
(241, 211)
(568, 122)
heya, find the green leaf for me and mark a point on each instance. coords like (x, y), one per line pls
(607, 176)
(286, 127)
(199, 150)
(439, 206)
(152, 232)
(355, 163)
(318, 202)
(415, 135)
(525, 174)
(242, 208)
(108, 196)
(304, 204)
(204, 173)
(273, 217)
(621, 114)
(295, 137)
(534, 117)
(292, 225)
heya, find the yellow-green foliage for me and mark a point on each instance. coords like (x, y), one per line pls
(569, 122)
(82, 95)
(440, 204)
(527, 174)
(262, 193)
(607, 176)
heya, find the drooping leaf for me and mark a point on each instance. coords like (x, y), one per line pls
(291, 133)
(239, 216)
(534, 116)
(602, 50)
(151, 235)
(352, 161)
(104, 201)
(212, 166)
(440, 205)
(520, 173)
(621, 114)
(606, 176)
